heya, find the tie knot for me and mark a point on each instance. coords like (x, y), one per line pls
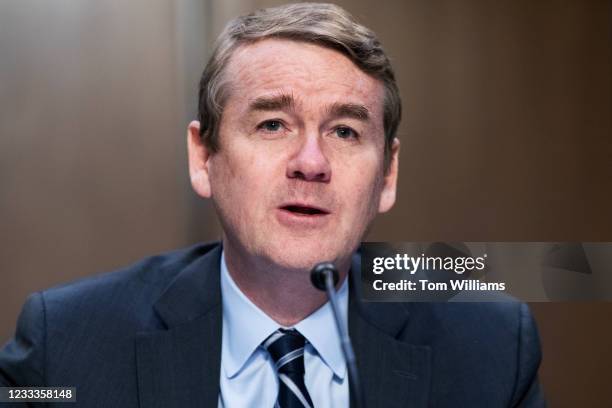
(286, 347)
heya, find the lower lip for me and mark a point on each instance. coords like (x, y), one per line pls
(298, 220)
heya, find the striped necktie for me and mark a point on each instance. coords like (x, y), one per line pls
(287, 350)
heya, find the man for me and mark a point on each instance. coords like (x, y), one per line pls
(296, 147)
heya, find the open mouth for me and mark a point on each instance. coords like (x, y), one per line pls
(304, 210)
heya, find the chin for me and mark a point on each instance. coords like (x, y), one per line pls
(305, 254)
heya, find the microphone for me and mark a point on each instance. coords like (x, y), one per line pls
(324, 276)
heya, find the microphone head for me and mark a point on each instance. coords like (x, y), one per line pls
(320, 271)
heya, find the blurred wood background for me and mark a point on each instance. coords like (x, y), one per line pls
(507, 135)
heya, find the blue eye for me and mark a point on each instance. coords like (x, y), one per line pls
(344, 132)
(270, 125)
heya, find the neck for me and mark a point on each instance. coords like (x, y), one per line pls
(286, 295)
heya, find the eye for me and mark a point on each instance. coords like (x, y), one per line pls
(345, 132)
(270, 125)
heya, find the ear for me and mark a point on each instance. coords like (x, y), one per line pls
(387, 197)
(198, 161)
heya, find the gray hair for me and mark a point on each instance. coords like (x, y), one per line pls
(323, 24)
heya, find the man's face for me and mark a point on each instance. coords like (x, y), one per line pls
(299, 175)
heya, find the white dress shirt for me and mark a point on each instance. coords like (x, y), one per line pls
(248, 377)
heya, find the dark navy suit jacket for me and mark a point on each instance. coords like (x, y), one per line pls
(150, 336)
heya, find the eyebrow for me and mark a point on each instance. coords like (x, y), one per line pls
(349, 110)
(273, 103)
(287, 102)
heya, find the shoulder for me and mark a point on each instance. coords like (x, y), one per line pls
(64, 331)
(124, 295)
(495, 344)
(482, 316)
(470, 324)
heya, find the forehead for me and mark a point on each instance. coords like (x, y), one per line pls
(311, 73)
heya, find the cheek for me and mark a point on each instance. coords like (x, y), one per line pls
(240, 182)
(363, 192)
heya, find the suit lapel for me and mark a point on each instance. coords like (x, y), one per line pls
(180, 366)
(393, 373)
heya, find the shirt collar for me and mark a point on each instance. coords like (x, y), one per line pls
(246, 326)
(320, 330)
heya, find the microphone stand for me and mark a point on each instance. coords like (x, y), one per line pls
(324, 276)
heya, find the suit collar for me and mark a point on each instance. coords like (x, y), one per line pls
(393, 373)
(180, 366)
(390, 318)
(194, 292)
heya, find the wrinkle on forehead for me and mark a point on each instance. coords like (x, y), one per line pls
(308, 71)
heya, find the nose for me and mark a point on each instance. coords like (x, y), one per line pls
(309, 163)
